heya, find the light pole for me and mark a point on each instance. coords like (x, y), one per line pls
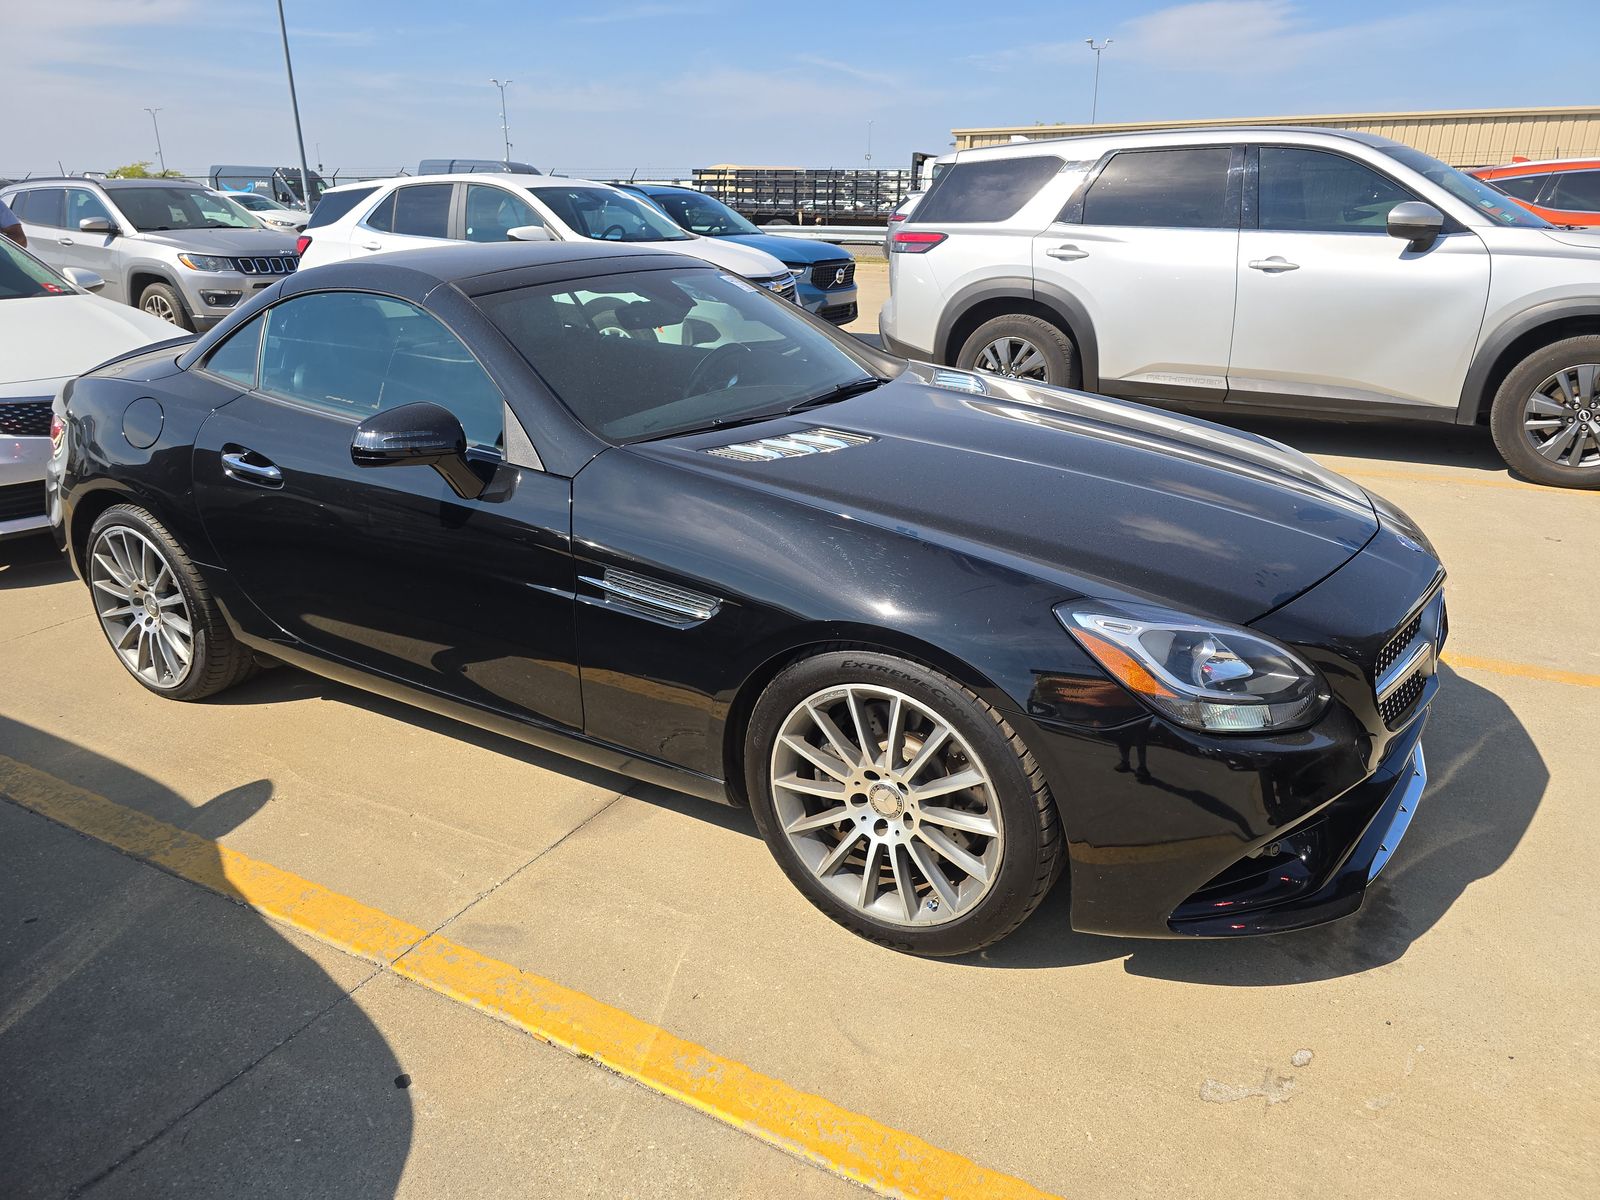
(294, 103)
(869, 143)
(1094, 107)
(505, 130)
(157, 124)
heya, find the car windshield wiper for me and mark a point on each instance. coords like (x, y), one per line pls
(844, 391)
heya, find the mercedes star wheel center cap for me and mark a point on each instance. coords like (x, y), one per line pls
(886, 800)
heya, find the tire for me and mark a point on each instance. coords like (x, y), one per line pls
(162, 300)
(140, 578)
(1559, 383)
(1008, 830)
(1048, 355)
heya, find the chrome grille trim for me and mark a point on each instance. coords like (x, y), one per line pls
(273, 264)
(790, 445)
(655, 598)
(1402, 667)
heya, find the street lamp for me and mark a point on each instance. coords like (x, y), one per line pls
(157, 124)
(1094, 108)
(869, 143)
(505, 131)
(294, 103)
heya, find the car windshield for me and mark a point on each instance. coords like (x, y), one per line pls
(153, 209)
(607, 215)
(653, 353)
(24, 277)
(1491, 202)
(254, 201)
(702, 214)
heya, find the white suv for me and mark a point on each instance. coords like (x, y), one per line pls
(404, 214)
(1296, 271)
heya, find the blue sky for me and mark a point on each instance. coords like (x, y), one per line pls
(610, 85)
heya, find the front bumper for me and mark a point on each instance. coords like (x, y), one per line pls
(22, 495)
(839, 305)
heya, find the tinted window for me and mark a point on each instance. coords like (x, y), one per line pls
(82, 204)
(990, 190)
(1577, 191)
(650, 353)
(1174, 189)
(493, 212)
(335, 204)
(42, 206)
(236, 358)
(353, 353)
(423, 210)
(1523, 187)
(1310, 190)
(608, 215)
(382, 217)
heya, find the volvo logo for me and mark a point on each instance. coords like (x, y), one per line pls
(838, 277)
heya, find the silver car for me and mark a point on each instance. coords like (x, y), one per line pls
(173, 248)
(1297, 271)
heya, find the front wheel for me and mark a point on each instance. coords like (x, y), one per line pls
(1546, 415)
(900, 804)
(162, 300)
(1024, 347)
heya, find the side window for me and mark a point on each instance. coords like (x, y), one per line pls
(83, 204)
(1577, 191)
(1170, 189)
(423, 210)
(353, 353)
(1310, 190)
(236, 358)
(44, 206)
(335, 204)
(492, 212)
(382, 217)
(1522, 187)
(988, 190)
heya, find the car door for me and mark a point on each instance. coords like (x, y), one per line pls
(1147, 249)
(387, 568)
(91, 251)
(42, 212)
(1333, 313)
(410, 217)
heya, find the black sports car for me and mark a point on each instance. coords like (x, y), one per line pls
(948, 635)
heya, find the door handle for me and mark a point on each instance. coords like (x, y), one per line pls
(1273, 264)
(372, 245)
(236, 464)
(65, 242)
(1066, 252)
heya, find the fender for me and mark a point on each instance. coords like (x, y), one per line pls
(1495, 344)
(1066, 308)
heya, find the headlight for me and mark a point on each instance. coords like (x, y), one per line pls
(206, 262)
(1215, 677)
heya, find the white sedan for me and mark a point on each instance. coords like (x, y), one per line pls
(51, 330)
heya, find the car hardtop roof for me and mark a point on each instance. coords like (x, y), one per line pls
(101, 181)
(510, 180)
(1097, 143)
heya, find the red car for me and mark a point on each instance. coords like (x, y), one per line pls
(1562, 191)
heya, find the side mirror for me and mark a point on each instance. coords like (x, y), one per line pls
(96, 225)
(528, 233)
(1417, 223)
(418, 435)
(84, 278)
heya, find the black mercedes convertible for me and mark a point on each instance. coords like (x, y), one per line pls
(948, 635)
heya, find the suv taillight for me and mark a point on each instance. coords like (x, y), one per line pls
(914, 241)
(58, 433)
(896, 216)
(301, 242)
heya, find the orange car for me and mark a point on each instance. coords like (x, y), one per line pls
(1563, 191)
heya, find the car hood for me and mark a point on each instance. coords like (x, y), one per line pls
(52, 337)
(222, 241)
(1587, 238)
(724, 253)
(1098, 496)
(789, 250)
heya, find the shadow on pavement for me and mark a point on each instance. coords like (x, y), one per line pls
(156, 1038)
(1486, 779)
(1423, 442)
(32, 562)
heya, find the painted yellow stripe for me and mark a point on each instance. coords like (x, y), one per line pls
(1466, 480)
(890, 1161)
(1521, 670)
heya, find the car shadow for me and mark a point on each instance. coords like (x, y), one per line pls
(1425, 442)
(32, 562)
(1486, 779)
(156, 1039)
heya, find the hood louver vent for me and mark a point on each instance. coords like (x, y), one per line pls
(790, 445)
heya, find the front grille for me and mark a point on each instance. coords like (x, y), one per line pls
(1397, 705)
(20, 500)
(25, 418)
(786, 291)
(827, 274)
(1396, 647)
(839, 314)
(274, 264)
(1416, 643)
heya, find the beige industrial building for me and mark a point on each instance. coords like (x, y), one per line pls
(1468, 137)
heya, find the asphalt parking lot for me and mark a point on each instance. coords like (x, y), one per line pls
(159, 1038)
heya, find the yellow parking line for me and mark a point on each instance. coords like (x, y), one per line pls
(890, 1161)
(1522, 670)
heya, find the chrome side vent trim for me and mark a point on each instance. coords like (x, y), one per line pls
(652, 598)
(790, 445)
(959, 381)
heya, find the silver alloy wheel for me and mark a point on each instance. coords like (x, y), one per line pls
(1561, 419)
(141, 607)
(157, 305)
(887, 805)
(1014, 357)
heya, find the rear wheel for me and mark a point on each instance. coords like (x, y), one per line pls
(1019, 346)
(162, 300)
(1546, 415)
(900, 803)
(156, 610)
